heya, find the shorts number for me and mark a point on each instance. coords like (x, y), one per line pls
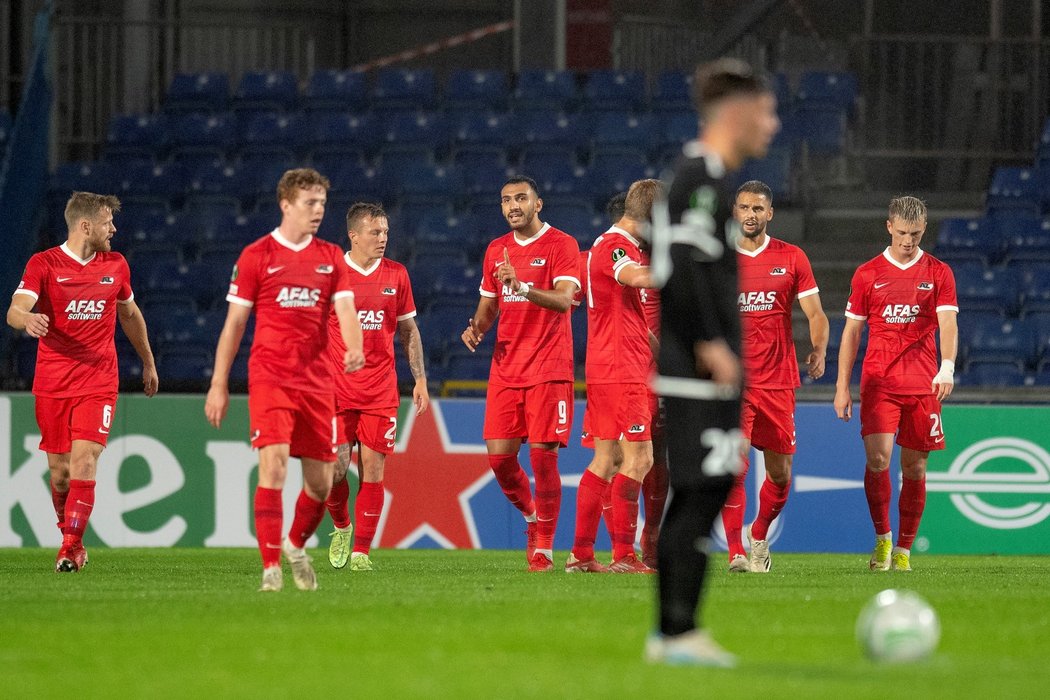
(562, 413)
(389, 435)
(107, 415)
(724, 455)
(935, 426)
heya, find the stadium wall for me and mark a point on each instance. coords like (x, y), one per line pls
(168, 479)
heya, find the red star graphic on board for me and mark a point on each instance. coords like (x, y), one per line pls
(428, 482)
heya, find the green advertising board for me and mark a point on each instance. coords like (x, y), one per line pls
(989, 490)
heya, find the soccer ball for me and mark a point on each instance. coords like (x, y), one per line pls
(898, 627)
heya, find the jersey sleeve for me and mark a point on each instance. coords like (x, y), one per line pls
(857, 304)
(488, 279)
(406, 303)
(125, 295)
(244, 280)
(946, 295)
(567, 263)
(805, 282)
(33, 278)
(341, 287)
(624, 255)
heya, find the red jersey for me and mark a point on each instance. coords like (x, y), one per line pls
(292, 288)
(533, 344)
(900, 304)
(769, 280)
(618, 349)
(383, 296)
(77, 357)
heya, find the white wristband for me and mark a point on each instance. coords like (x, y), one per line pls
(947, 366)
(523, 289)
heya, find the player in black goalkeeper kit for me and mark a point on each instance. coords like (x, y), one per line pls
(699, 362)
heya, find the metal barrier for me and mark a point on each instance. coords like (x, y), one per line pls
(951, 97)
(102, 67)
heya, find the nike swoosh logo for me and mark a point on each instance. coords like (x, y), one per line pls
(104, 432)
(390, 444)
(63, 279)
(729, 506)
(372, 515)
(940, 439)
(880, 286)
(271, 270)
(559, 432)
(272, 546)
(80, 502)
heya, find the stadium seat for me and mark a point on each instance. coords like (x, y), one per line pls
(198, 92)
(678, 127)
(440, 183)
(342, 132)
(477, 128)
(1025, 239)
(468, 367)
(619, 129)
(991, 374)
(534, 158)
(545, 90)
(614, 90)
(185, 364)
(266, 90)
(221, 180)
(968, 239)
(94, 176)
(336, 91)
(142, 135)
(404, 88)
(827, 90)
(782, 91)
(394, 157)
(1036, 291)
(155, 181)
(211, 134)
(822, 130)
(994, 290)
(139, 225)
(272, 129)
(673, 92)
(485, 180)
(774, 170)
(204, 222)
(467, 157)
(553, 129)
(6, 126)
(558, 178)
(1013, 188)
(1002, 340)
(484, 89)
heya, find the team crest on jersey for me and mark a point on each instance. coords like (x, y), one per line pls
(618, 253)
(778, 271)
(925, 286)
(325, 269)
(538, 262)
(106, 280)
(389, 291)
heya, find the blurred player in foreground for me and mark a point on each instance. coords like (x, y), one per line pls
(293, 280)
(699, 362)
(772, 275)
(367, 401)
(79, 289)
(906, 296)
(529, 277)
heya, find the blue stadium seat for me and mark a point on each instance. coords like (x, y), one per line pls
(396, 157)
(404, 88)
(1013, 188)
(204, 222)
(484, 216)
(678, 127)
(266, 90)
(211, 134)
(614, 90)
(84, 177)
(991, 374)
(1036, 292)
(485, 180)
(337, 91)
(440, 183)
(219, 254)
(969, 239)
(782, 91)
(774, 170)
(827, 90)
(1025, 238)
(539, 157)
(198, 92)
(624, 130)
(545, 90)
(673, 92)
(139, 225)
(477, 128)
(272, 129)
(468, 157)
(1002, 340)
(222, 179)
(994, 290)
(468, 367)
(185, 364)
(6, 126)
(610, 176)
(553, 129)
(822, 130)
(357, 182)
(178, 327)
(456, 286)
(485, 89)
(558, 177)
(157, 181)
(247, 228)
(143, 135)
(341, 131)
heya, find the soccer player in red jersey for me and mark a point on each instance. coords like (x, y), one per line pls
(906, 296)
(529, 278)
(367, 401)
(79, 290)
(772, 274)
(293, 280)
(619, 355)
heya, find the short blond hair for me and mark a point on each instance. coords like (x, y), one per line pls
(907, 209)
(640, 197)
(299, 179)
(88, 205)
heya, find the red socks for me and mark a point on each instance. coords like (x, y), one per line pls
(338, 504)
(733, 514)
(308, 514)
(625, 514)
(367, 510)
(58, 499)
(548, 495)
(771, 500)
(79, 502)
(654, 499)
(514, 482)
(879, 491)
(588, 511)
(911, 504)
(268, 525)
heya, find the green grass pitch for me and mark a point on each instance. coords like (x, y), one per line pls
(469, 624)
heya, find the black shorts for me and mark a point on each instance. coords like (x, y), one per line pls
(703, 441)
